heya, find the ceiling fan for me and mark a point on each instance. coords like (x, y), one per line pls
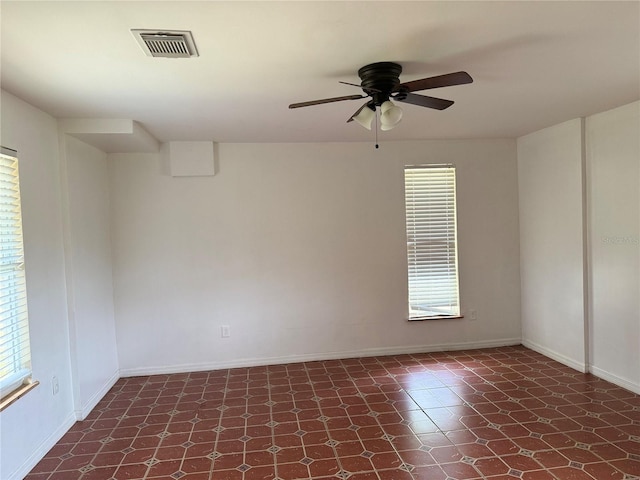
(381, 82)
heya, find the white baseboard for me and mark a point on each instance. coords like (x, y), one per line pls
(42, 449)
(621, 382)
(581, 367)
(84, 410)
(49, 442)
(312, 357)
(569, 362)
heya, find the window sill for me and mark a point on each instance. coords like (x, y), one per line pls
(435, 317)
(17, 393)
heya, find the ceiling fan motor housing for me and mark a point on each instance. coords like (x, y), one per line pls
(380, 79)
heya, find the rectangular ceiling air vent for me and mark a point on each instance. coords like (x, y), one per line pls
(167, 44)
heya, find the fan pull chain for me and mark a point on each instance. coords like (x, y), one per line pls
(377, 146)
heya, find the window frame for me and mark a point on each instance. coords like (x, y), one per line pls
(14, 318)
(413, 187)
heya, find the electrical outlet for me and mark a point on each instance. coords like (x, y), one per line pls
(225, 331)
(473, 315)
(55, 387)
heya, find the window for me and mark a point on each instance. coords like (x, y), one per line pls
(15, 363)
(430, 201)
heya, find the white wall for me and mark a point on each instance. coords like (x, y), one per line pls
(300, 249)
(89, 278)
(551, 242)
(66, 219)
(30, 426)
(613, 156)
(580, 187)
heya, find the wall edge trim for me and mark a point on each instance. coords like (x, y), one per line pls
(90, 404)
(616, 380)
(312, 357)
(558, 357)
(42, 449)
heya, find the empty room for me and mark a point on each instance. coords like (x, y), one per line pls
(287, 240)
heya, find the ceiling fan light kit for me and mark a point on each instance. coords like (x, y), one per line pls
(381, 82)
(365, 117)
(390, 115)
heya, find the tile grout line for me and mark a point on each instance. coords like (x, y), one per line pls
(272, 421)
(220, 416)
(328, 431)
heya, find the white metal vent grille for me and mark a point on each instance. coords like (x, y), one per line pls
(166, 44)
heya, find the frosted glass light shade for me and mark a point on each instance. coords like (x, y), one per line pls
(365, 117)
(390, 115)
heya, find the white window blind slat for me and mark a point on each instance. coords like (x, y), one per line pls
(15, 358)
(430, 202)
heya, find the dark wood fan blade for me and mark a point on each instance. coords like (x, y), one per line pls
(447, 80)
(356, 113)
(326, 100)
(424, 101)
(369, 89)
(368, 104)
(352, 84)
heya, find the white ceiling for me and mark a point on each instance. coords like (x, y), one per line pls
(535, 64)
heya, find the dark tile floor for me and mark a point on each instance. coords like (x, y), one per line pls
(495, 414)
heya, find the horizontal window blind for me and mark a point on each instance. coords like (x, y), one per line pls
(430, 201)
(15, 363)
